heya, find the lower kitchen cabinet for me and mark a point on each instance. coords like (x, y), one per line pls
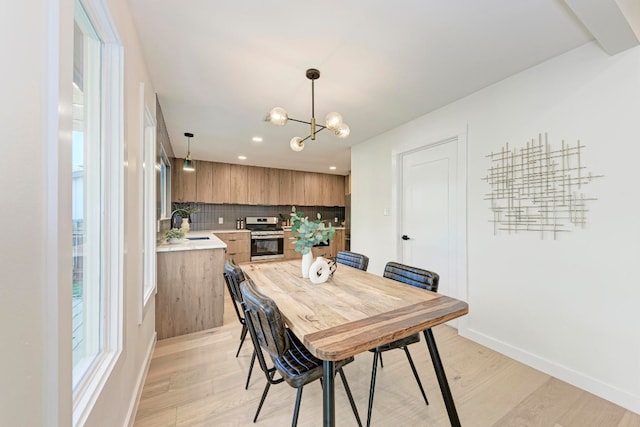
(238, 245)
(190, 291)
(336, 244)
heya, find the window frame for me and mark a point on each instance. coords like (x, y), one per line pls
(88, 389)
(147, 179)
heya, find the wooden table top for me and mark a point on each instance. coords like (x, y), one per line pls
(352, 312)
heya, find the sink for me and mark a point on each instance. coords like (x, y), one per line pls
(197, 238)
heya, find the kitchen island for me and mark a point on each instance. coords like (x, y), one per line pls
(190, 294)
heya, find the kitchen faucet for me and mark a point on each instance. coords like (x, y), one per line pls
(173, 224)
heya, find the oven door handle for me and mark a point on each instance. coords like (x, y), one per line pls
(267, 237)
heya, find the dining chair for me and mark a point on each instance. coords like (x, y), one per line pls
(413, 276)
(292, 361)
(233, 276)
(353, 259)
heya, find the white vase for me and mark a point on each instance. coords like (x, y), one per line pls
(307, 260)
(185, 225)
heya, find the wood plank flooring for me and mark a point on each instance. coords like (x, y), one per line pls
(195, 380)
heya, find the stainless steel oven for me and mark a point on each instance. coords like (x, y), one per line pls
(267, 238)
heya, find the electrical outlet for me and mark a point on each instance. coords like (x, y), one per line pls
(220, 220)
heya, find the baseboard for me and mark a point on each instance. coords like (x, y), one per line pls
(133, 406)
(592, 385)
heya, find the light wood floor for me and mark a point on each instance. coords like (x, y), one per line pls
(195, 380)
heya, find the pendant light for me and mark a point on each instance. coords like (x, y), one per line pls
(189, 164)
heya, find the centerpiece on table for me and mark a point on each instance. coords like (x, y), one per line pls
(308, 233)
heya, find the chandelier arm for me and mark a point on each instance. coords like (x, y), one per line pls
(309, 136)
(299, 121)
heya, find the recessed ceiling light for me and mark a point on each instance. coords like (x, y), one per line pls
(332, 168)
(257, 139)
(242, 157)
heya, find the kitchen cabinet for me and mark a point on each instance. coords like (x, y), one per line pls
(223, 183)
(204, 182)
(238, 246)
(238, 184)
(336, 244)
(190, 291)
(263, 186)
(183, 184)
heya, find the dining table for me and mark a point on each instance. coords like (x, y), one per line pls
(352, 312)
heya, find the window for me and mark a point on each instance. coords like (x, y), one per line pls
(165, 184)
(96, 203)
(148, 191)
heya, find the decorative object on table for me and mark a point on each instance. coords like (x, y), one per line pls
(174, 235)
(538, 188)
(189, 165)
(319, 271)
(333, 265)
(333, 121)
(307, 234)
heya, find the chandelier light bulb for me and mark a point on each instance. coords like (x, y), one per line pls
(278, 116)
(296, 144)
(343, 131)
(333, 121)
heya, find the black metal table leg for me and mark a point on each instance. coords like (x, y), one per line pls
(328, 395)
(442, 378)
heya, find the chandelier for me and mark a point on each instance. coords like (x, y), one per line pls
(333, 121)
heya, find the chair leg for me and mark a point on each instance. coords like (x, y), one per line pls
(372, 387)
(264, 396)
(381, 362)
(296, 409)
(253, 359)
(350, 396)
(243, 334)
(415, 374)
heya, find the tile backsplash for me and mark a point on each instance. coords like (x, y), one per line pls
(209, 214)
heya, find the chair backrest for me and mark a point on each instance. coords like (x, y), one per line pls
(353, 259)
(413, 276)
(265, 319)
(233, 276)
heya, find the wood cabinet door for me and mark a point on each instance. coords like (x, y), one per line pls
(285, 180)
(183, 184)
(298, 186)
(336, 196)
(258, 182)
(272, 190)
(238, 188)
(313, 184)
(204, 184)
(221, 183)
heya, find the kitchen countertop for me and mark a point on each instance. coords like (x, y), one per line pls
(193, 245)
(244, 230)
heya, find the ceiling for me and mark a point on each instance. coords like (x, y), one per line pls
(219, 66)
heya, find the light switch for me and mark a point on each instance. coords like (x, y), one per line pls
(220, 220)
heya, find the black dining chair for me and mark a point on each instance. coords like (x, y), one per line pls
(353, 259)
(233, 276)
(295, 364)
(413, 276)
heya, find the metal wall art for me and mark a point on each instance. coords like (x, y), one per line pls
(538, 188)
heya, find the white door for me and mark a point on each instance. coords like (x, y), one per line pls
(429, 212)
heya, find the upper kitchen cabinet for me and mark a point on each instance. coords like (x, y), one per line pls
(221, 182)
(204, 182)
(183, 184)
(239, 184)
(263, 186)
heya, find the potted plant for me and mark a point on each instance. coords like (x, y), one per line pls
(174, 235)
(308, 233)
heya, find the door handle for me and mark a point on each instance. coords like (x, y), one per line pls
(405, 237)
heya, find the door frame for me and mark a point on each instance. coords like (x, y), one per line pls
(397, 170)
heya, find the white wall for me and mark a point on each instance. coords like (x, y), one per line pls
(567, 306)
(35, 186)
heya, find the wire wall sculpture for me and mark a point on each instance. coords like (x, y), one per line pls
(538, 188)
